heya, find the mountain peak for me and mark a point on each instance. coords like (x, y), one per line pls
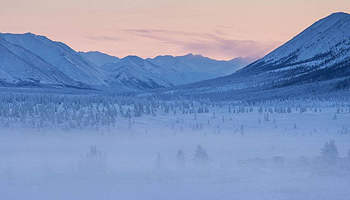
(132, 57)
(193, 55)
(319, 52)
(99, 58)
(340, 14)
(333, 18)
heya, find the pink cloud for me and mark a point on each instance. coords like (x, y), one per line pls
(213, 45)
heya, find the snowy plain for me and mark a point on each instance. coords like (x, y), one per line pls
(267, 151)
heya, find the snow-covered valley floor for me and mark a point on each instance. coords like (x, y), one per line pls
(248, 155)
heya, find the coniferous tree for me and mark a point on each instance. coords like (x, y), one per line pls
(200, 157)
(329, 153)
(180, 159)
(242, 129)
(159, 162)
(335, 116)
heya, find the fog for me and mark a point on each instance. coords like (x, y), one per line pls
(228, 153)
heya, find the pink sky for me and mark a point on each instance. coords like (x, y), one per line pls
(220, 29)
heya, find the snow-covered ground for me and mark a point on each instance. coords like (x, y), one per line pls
(267, 151)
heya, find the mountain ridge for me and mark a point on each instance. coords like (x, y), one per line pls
(55, 64)
(319, 55)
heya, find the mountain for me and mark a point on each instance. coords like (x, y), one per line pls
(99, 58)
(165, 71)
(29, 59)
(54, 54)
(135, 73)
(218, 67)
(324, 45)
(177, 72)
(192, 68)
(316, 61)
(19, 67)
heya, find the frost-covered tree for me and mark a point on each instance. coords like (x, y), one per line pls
(335, 116)
(329, 153)
(129, 124)
(93, 163)
(159, 162)
(180, 159)
(200, 157)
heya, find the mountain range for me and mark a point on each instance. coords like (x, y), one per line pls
(163, 71)
(33, 60)
(315, 61)
(29, 59)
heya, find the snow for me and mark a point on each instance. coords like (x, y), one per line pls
(170, 70)
(276, 143)
(18, 65)
(99, 58)
(47, 62)
(59, 56)
(312, 63)
(266, 151)
(137, 72)
(190, 68)
(328, 34)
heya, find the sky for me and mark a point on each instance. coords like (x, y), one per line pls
(220, 29)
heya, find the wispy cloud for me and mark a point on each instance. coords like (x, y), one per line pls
(103, 38)
(212, 44)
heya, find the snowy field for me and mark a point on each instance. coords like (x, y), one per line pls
(79, 149)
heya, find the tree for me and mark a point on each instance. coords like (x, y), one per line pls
(335, 116)
(159, 162)
(349, 154)
(200, 157)
(329, 153)
(180, 158)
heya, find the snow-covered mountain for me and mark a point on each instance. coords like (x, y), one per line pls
(30, 48)
(192, 68)
(315, 61)
(165, 71)
(135, 73)
(18, 66)
(325, 44)
(218, 67)
(28, 59)
(99, 58)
